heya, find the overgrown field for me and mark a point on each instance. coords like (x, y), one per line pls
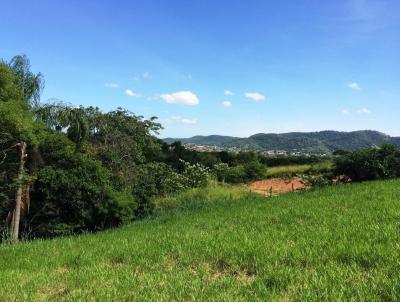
(333, 244)
(291, 170)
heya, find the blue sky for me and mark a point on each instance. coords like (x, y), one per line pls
(218, 67)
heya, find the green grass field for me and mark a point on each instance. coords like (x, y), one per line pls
(338, 243)
(292, 170)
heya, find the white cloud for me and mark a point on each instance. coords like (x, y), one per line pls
(363, 111)
(111, 85)
(227, 104)
(129, 92)
(255, 96)
(146, 75)
(345, 112)
(228, 92)
(354, 86)
(181, 97)
(183, 120)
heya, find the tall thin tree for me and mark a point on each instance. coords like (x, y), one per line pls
(30, 85)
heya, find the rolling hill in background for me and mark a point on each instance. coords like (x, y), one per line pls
(313, 142)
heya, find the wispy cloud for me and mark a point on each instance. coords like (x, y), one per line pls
(227, 104)
(181, 97)
(354, 86)
(228, 92)
(146, 75)
(184, 120)
(111, 85)
(255, 96)
(130, 93)
(363, 111)
(345, 112)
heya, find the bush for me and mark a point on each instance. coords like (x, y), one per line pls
(151, 180)
(252, 170)
(316, 181)
(370, 163)
(236, 174)
(159, 179)
(220, 171)
(196, 175)
(255, 170)
(75, 194)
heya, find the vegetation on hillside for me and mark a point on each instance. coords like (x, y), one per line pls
(309, 142)
(67, 170)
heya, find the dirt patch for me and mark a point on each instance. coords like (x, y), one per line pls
(56, 293)
(221, 268)
(276, 186)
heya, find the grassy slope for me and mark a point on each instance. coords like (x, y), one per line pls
(337, 243)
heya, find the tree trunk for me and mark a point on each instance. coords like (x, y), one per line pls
(18, 195)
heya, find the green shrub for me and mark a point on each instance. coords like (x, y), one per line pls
(149, 181)
(220, 171)
(75, 194)
(316, 181)
(196, 175)
(236, 174)
(159, 179)
(249, 171)
(370, 163)
(254, 170)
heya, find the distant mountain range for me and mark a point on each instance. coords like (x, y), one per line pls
(311, 142)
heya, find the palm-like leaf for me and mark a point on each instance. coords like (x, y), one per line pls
(30, 84)
(62, 117)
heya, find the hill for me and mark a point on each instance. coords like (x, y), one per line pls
(334, 244)
(313, 142)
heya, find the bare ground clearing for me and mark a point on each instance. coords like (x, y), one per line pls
(276, 186)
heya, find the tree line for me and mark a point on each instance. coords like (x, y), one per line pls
(67, 169)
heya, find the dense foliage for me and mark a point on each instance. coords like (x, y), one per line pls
(370, 163)
(82, 169)
(226, 166)
(66, 169)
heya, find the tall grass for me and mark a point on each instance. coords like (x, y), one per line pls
(339, 243)
(201, 197)
(292, 170)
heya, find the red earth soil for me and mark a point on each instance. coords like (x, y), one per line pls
(278, 186)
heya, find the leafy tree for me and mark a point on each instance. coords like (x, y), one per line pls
(19, 88)
(29, 84)
(73, 120)
(370, 163)
(255, 170)
(221, 171)
(74, 193)
(196, 175)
